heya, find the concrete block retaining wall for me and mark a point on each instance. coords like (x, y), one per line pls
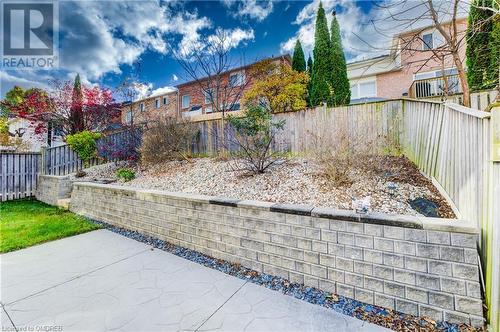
(419, 266)
(51, 188)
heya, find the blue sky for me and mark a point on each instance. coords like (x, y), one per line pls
(102, 40)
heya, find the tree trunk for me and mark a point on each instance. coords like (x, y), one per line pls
(463, 79)
(465, 88)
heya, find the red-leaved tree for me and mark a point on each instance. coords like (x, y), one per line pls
(69, 110)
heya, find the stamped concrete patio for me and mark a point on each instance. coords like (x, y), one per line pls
(102, 281)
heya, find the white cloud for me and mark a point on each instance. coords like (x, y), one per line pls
(99, 36)
(175, 78)
(8, 81)
(143, 90)
(162, 91)
(190, 32)
(233, 37)
(253, 9)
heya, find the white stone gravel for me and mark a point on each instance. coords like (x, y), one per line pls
(297, 181)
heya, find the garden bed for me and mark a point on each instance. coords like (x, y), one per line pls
(296, 181)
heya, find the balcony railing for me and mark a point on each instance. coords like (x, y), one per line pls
(436, 86)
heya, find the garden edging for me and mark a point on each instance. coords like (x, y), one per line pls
(419, 266)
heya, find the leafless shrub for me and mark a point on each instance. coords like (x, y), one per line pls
(336, 154)
(339, 151)
(167, 139)
(254, 135)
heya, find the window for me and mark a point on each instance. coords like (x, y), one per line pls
(236, 79)
(128, 117)
(208, 96)
(427, 41)
(236, 106)
(208, 109)
(165, 100)
(157, 103)
(368, 89)
(364, 89)
(141, 107)
(436, 73)
(354, 91)
(185, 101)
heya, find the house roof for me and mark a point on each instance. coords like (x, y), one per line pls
(284, 56)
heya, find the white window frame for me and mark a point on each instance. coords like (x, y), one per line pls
(208, 110)
(437, 39)
(157, 103)
(141, 107)
(357, 84)
(128, 117)
(188, 103)
(165, 100)
(240, 81)
(207, 95)
(425, 46)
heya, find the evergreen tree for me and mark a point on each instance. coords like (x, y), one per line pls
(322, 68)
(341, 94)
(298, 60)
(310, 72)
(76, 112)
(494, 48)
(477, 52)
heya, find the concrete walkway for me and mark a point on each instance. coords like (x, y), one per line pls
(102, 281)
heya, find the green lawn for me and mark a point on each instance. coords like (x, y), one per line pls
(25, 222)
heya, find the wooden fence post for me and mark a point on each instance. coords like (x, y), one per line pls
(493, 229)
(41, 165)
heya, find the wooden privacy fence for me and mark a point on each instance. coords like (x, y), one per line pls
(18, 175)
(372, 122)
(450, 143)
(62, 160)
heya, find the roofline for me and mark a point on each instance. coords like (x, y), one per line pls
(358, 62)
(283, 56)
(458, 19)
(127, 103)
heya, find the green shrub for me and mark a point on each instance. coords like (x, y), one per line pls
(84, 144)
(125, 174)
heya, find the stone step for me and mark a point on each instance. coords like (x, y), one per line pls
(63, 203)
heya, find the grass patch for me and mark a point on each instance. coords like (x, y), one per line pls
(26, 222)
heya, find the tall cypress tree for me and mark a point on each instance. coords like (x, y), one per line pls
(298, 60)
(76, 111)
(494, 48)
(310, 72)
(341, 94)
(322, 68)
(478, 54)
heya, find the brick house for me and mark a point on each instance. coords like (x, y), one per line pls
(191, 98)
(200, 97)
(409, 70)
(150, 108)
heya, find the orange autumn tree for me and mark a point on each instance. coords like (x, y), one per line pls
(277, 87)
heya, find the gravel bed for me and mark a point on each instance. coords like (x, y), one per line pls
(381, 316)
(297, 181)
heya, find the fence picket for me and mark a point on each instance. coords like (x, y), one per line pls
(17, 175)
